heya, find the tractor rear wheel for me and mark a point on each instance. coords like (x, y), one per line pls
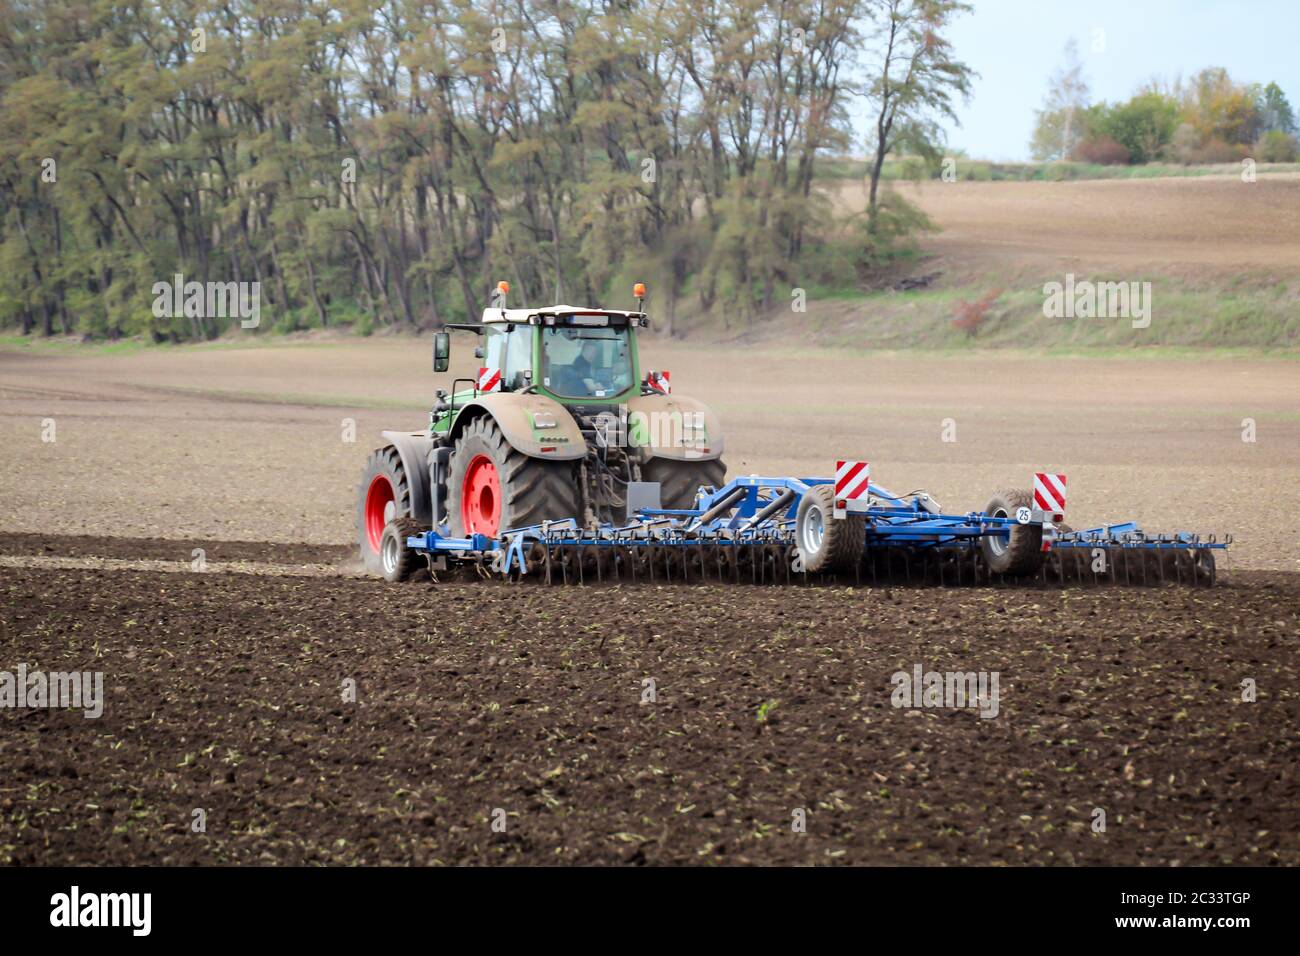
(679, 480)
(1022, 552)
(383, 496)
(493, 487)
(825, 542)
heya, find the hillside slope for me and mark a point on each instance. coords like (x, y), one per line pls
(1222, 257)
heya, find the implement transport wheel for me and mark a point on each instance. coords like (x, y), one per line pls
(1022, 552)
(383, 496)
(396, 560)
(679, 480)
(1203, 563)
(492, 487)
(828, 543)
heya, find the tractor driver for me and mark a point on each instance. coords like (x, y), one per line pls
(583, 368)
(593, 369)
(586, 374)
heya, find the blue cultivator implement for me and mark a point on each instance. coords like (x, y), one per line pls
(762, 530)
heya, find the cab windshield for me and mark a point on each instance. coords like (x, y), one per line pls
(582, 362)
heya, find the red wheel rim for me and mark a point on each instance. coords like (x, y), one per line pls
(480, 497)
(378, 497)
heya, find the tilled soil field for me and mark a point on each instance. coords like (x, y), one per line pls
(178, 520)
(642, 725)
(61, 546)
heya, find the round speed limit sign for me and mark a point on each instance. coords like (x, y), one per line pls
(1023, 515)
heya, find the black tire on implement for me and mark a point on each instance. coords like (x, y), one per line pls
(825, 542)
(680, 480)
(1022, 553)
(532, 490)
(396, 559)
(384, 463)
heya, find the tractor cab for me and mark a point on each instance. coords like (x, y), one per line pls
(571, 354)
(585, 363)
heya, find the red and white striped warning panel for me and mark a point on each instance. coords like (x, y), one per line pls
(852, 484)
(659, 381)
(489, 379)
(1049, 494)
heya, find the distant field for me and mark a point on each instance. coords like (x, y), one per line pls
(1222, 257)
(231, 444)
(981, 170)
(1182, 228)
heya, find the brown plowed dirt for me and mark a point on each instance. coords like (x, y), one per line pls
(163, 549)
(224, 692)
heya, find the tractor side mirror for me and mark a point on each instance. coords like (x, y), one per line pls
(441, 351)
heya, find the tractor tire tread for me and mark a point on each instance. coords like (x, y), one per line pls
(844, 538)
(680, 480)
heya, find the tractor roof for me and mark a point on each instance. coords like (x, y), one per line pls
(560, 313)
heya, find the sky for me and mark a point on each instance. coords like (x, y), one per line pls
(1016, 46)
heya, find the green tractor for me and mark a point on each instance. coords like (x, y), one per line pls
(559, 423)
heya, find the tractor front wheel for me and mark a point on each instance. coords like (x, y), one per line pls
(493, 487)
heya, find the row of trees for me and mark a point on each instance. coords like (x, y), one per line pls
(1210, 118)
(384, 162)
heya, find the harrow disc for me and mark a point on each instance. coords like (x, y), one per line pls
(725, 561)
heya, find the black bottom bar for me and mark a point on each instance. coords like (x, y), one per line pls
(965, 907)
